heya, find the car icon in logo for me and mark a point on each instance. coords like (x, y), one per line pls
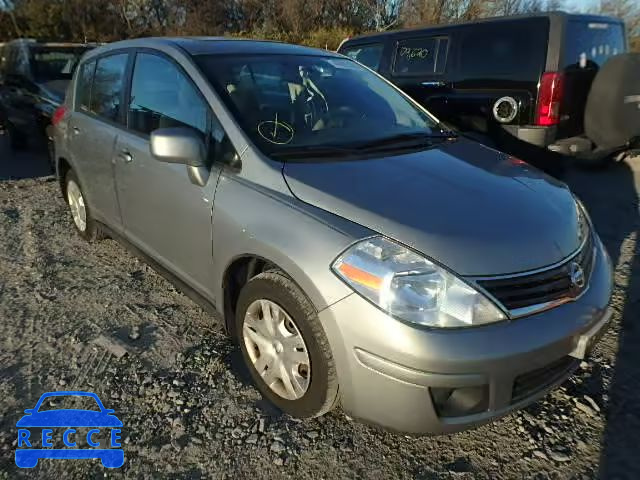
(27, 457)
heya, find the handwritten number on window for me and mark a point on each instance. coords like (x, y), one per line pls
(414, 53)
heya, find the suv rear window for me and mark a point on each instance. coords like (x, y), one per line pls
(54, 63)
(418, 56)
(368, 55)
(515, 50)
(592, 42)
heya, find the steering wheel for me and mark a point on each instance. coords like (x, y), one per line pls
(341, 116)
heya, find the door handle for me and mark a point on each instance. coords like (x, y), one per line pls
(76, 131)
(433, 84)
(125, 156)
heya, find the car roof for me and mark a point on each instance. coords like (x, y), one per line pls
(221, 45)
(557, 14)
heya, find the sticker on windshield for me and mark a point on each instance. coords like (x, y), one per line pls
(276, 131)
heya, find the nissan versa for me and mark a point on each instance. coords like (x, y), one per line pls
(359, 252)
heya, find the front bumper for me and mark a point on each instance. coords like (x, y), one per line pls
(389, 371)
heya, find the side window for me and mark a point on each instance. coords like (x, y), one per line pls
(162, 96)
(21, 62)
(417, 56)
(84, 84)
(591, 44)
(368, 55)
(108, 81)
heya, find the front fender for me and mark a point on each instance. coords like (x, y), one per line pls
(301, 239)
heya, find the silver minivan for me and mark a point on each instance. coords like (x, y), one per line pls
(359, 252)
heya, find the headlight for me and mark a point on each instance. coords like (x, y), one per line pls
(410, 287)
(584, 221)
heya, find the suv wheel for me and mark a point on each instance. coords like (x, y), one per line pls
(80, 213)
(284, 346)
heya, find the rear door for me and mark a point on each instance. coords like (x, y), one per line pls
(95, 124)
(492, 60)
(588, 44)
(418, 66)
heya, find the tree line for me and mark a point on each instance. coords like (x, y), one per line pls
(321, 23)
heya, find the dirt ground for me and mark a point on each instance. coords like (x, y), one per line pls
(69, 310)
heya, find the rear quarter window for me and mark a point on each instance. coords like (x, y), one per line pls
(368, 55)
(420, 56)
(504, 50)
(591, 44)
(83, 88)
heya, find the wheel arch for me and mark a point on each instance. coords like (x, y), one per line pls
(238, 272)
(62, 168)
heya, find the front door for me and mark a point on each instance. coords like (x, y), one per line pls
(164, 213)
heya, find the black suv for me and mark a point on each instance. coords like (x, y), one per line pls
(33, 81)
(523, 77)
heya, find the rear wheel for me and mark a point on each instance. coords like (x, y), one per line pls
(80, 212)
(285, 347)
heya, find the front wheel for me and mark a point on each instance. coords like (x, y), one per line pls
(285, 347)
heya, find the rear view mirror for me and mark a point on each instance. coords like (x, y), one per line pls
(182, 145)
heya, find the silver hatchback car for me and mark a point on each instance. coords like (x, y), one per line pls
(359, 252)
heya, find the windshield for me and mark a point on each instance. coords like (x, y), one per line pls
(54, 63)
(292, 102)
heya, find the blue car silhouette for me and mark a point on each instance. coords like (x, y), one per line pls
(110, 457)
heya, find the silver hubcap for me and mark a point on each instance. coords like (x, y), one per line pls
(76, 205)
(277, 349)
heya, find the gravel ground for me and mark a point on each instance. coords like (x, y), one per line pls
(92, 317)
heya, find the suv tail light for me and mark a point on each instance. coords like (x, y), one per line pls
(549, 98)
(58, 115)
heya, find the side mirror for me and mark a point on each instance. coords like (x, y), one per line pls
(181, 145)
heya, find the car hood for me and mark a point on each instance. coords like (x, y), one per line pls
(69, 418)
(475, 210)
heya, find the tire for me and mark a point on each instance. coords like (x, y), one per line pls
(321, 393)
(89, 229)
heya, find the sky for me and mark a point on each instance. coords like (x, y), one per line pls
(581, 4)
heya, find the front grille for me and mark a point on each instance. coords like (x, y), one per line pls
(542, 287)
(534, 381)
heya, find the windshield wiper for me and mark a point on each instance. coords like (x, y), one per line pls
(310, 151)
(402, 140)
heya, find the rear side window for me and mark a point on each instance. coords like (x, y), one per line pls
(591, 44)
(84, 84)
(368, 55)
(17, 63)
(504, 50)
(419, 56)
(108, 81)
(162, 96)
